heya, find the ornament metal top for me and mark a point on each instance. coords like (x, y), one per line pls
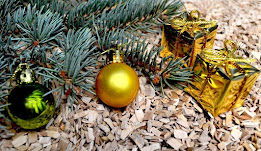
(29, 107)
(117, 84)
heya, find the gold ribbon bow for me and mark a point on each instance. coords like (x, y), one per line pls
(224, 56)
(193, 26)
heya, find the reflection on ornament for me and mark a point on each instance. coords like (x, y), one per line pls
(117, 84)
(34, 101)
(29, 108)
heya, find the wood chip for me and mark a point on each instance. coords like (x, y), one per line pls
(35, 147)
(53, 134)
(105, 128)
(156, 132)
(126, 132)
(90, 134)
(86, 100)
(165, 120)
(258, 133)
(157, 123)
(63, 143)
(148, 105)
(229, 120)
(111, 137)
(152, 147)
(149, 91)
(124, 123)
(152, 122)
(109, 122)
(44, 140)
(180, 134)
(250, 124)
(183, 123)
(188, 112)
(226, 136)
(222, 146)
(236, 134)
(22, 148)
(80, 114)
(174, 143)
(204, 138)
(139, 115)
(139, 141)
(148, 115)
(32, 137)
(19, 140)
(248, 147)
(212, 146)
(91, 116)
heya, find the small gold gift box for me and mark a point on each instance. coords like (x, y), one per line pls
(187, 35)
(222, 80)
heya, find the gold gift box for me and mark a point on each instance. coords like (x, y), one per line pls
(222, 80)
(187, 35)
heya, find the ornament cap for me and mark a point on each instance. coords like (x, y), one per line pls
(117, 55)
(23, 74)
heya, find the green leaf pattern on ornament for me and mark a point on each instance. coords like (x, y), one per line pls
(34, 101)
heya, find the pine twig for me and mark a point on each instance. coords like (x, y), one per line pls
(3, 86)
(69, 68)
(40, 33)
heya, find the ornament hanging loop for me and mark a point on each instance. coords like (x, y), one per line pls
(23, 74)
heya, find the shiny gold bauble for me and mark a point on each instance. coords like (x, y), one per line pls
(117, 85)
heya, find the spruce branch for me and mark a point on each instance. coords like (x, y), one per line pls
(3, 77)
(135, 15)
(55, 6)
(128, 14)
(40, 32)
(80, 15)
(31, 34)
(2, 116)
(73, 67)
(108, 39)
(12, 57)
(3, 86)
(7, 10)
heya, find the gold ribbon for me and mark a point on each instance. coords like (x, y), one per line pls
(223, 57)
(212, 79)
(193, 26)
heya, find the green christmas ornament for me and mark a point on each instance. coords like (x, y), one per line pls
(29, 108)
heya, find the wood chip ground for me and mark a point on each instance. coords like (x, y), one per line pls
(155, 123)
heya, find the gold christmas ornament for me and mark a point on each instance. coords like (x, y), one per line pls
(117, 84)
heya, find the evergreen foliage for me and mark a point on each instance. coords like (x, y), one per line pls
(3, 86)
(69, 67)
(62, 40)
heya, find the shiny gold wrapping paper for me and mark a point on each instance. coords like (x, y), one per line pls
(222, 87)
(187, 36)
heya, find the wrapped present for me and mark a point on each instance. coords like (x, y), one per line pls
(187, 35)
(222, 80)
